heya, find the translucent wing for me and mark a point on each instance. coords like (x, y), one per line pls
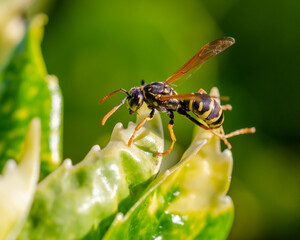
(208, 51)
(191, 96)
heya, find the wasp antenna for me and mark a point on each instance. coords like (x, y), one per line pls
(113, 110)
(114, 92)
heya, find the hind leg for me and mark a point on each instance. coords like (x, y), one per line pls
(219, 135)
(226, 107)
(170, 127)
(240, 131)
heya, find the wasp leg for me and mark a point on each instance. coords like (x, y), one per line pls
(226, 107)
(222, 130)
(221, 136)
(240, 131)
(222, 133)
(170, 127)
(202, 91)
(149, 117)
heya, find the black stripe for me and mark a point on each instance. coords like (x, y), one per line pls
(205, 105)
(218, 122)
(215, 111)
(184, 113)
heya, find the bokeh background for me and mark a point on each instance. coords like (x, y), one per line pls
(95, 47)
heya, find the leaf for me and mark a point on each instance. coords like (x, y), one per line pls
(187, 202)
(18, 185)
(81, 200)
(27, 91)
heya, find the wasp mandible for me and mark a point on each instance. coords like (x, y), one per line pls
(161, 97)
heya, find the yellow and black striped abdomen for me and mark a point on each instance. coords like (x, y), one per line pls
(208, 110)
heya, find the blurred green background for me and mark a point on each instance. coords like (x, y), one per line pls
(95, 47)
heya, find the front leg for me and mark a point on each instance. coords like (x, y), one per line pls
(149, 117)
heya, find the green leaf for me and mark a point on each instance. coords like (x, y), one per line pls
(12, 27)
(77, 201)
(18, 185)
(27, 91)
(187, 202)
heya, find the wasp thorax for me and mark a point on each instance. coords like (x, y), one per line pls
(135, 100)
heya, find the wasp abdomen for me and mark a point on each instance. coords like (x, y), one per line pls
(207, 109)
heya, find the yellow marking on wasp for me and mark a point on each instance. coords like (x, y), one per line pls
(213, 120)
(166, 91)
(203, 122)
(157, 96)
(191, 104)
(205, 115)
(144, 94)
(216, 118)
(211, 123)
(200, 106)
(216, 126)
(155, 103)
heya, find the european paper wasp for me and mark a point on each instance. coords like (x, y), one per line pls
(163, 98)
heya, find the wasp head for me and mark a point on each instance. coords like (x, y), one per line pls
(135, 99)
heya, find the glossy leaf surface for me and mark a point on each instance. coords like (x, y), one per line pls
(77, 201)
(187, 202)
(18, 185)
(27, 91)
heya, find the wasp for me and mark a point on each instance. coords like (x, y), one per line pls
(162, 97)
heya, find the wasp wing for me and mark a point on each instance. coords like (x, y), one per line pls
(191, 96)
(208, 51)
